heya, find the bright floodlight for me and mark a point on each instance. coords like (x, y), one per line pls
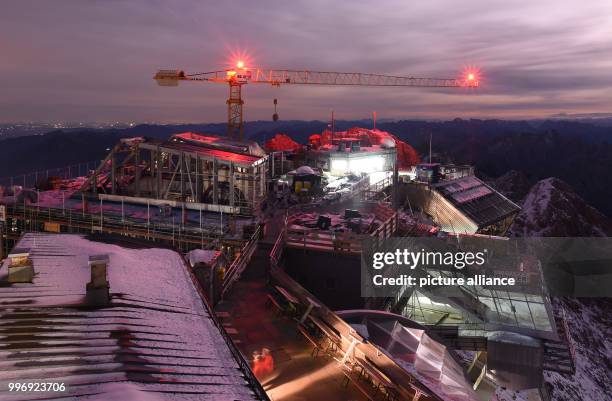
(471, 77)
(240, 64)
(365, 164)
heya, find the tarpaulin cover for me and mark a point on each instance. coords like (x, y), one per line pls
(281, 142)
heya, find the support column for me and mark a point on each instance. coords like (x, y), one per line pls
(215, 182)
(2, 223)
(182, 172)
(231, 184)
(395, 193)
(198, 185)
(263, 176)
(254, 188)
(138, 170)
(158, 172)
(234, 112)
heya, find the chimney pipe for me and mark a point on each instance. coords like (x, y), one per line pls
(20, 269)
(97, 290)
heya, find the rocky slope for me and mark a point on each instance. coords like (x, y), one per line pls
(589, 324)
(553, 209)
(513, 184)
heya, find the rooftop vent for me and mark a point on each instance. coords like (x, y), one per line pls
(20, 269)
(98, 288)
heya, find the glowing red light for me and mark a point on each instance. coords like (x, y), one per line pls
(239, 59)
(471, 76)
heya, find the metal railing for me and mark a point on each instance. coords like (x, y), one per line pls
(278, 249)
(309, 238)
(31, 179)
(240, 263)
(376, 188)
(324, 240)
(567, 336)
(351, 344)
(185, 236)
(387, 229)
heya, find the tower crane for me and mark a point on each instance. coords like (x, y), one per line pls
(241, 75)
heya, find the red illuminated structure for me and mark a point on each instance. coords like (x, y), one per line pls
(281, 143)
(190, 171)
(242, 74)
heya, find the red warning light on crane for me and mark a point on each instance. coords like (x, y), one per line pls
(471, 77)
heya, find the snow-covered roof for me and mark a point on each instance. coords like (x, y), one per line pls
(304, 170)
(218, 142)
(156, 340)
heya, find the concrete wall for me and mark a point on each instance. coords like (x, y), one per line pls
(334, 278)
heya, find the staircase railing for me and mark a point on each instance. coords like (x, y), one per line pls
(240, 263)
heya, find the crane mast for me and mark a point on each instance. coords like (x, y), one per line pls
(241, 75)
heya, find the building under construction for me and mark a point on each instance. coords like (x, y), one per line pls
(189, 170)
(458, 201)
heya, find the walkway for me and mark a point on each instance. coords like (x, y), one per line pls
(254, 324)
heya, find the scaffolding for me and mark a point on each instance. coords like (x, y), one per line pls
(178, 173)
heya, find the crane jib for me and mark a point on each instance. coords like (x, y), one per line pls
(276, 77)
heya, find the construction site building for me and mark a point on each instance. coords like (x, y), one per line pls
(189, 170)
(458, 201)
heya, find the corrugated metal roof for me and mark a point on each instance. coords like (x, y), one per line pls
(156, 340)
(481, 203)
(217, 142)
(237, 158)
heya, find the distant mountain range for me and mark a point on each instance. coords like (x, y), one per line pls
(577, 151)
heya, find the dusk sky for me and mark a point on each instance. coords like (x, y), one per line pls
(94, 60)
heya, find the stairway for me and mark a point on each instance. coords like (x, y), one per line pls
(559, 355)
(260, 262)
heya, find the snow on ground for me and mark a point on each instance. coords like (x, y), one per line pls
(201, 256)
(553, 208)
(334, 183)
(590, 331)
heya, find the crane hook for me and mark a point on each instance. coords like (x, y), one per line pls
(275, 115)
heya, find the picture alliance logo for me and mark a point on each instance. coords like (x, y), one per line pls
(423, 258)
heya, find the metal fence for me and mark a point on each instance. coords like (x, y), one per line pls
(31, 179)
(240, 263)
(173, 232)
